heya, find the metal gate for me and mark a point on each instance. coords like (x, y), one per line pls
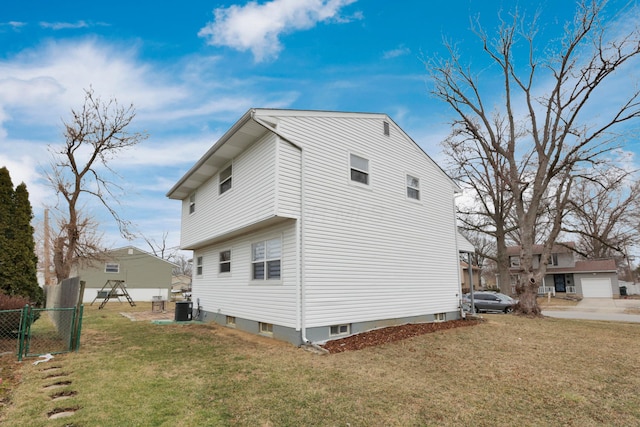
(34, 331)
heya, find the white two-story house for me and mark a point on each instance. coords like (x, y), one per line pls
(313, 225)
(566, 275)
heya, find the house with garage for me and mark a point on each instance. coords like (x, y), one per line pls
(568, 275)
(308, 226)
(146, 276)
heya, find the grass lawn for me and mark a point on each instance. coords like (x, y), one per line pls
(507, 371)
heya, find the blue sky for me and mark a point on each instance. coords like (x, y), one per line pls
(192, 69)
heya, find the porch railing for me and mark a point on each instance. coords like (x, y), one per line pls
(544, 290)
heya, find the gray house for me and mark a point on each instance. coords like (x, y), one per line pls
(566, 275)
(145, 275)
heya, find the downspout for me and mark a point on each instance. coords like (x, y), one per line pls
(300, 234)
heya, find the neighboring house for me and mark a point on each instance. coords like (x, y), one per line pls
(309, 226)
(466, 280)
(145, 275)
(565, 274)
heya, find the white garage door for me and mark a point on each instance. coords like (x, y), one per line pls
(596, 288)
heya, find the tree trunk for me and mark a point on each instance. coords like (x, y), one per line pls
(528, 297)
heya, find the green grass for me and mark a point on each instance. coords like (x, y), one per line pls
(506, 371)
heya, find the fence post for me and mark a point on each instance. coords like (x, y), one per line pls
(78, 331)
(22, 331)
(77, 318)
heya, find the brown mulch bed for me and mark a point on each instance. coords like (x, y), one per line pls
(392, 334)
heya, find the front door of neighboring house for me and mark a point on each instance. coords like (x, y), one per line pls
(559, 282)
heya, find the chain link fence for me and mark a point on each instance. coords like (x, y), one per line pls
(36, 331)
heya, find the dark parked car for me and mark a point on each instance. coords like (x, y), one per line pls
(490, 301)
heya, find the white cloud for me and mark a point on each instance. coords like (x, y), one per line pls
(14, 25)
(394, 53)
(64, 25)
(258, 27)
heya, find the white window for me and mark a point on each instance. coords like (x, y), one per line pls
(340, 329)
(266, 328)
(231, 321)
(413, 187)
(112, 268)
(192, 203)
(359, 169)
(385, 126)
(266, 259)
(225, 262)
(439, 317)
(514, 261)
(199, 266)
(225, 179)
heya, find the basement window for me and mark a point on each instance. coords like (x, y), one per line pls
(439, 317)
(231, 321)
(266, 328)
(340, 329)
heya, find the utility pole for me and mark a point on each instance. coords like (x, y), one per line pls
(47, 273)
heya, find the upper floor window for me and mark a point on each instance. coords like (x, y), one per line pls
(385, 127)
(225, 261)
(225, 179)
(359, 169)
(199, 265)
(192, 203)
(553, 260)
(413, 187)
(266, 259)
(112, 268)
(514, 261)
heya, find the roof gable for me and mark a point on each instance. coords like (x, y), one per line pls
(254, 124)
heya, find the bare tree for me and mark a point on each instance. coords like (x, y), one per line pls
(542, 130)
(603, 214)
(489, 213)
(160, 249)
(95, 135)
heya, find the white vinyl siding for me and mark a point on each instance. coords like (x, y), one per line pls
(238, 295)
(289, 180)
(253, 198)
(375, 254)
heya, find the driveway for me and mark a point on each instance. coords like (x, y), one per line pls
(600, 309)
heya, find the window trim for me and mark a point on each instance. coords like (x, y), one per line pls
(199, 266)
(228, 179)
(231, 321)
(111, 264)
(192, 203)
(410, 187)
(366, 173)
(265, 261)
(265, 328)
(337, 330)
(221, 262)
